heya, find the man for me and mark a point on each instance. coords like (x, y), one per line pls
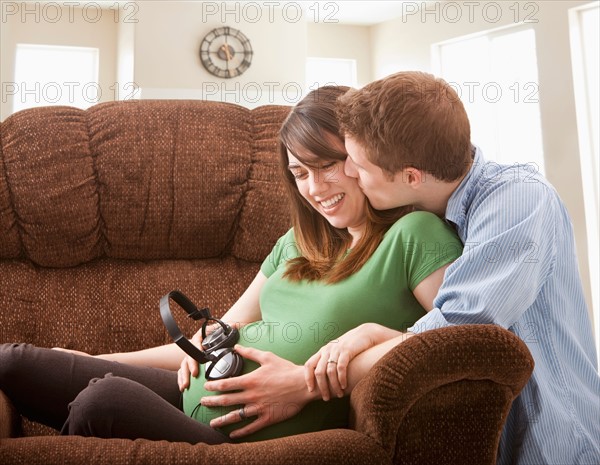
(408, 141)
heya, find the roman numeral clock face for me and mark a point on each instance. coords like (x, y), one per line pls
(226, 52)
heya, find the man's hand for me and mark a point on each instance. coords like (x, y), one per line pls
(272, 393)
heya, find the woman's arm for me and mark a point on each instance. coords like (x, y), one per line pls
(171, 357)
(168, 357)
(267, 395)
(427, 290)
(247, 308)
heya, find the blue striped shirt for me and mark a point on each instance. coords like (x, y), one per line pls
(519, 270)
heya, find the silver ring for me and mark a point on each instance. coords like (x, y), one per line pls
(242, 414)
(331, 361)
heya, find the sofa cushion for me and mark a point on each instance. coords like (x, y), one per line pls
(10, 245)
(265, 192)
(111, 305)
(140, 180)
(171, 178)
(50, 178)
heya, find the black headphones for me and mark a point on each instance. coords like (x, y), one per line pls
(217, 348)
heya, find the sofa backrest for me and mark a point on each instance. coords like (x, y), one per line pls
(141, 180)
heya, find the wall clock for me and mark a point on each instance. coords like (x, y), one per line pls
(226, 52)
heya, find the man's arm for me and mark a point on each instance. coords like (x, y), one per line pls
(509, 253)
(363, 362)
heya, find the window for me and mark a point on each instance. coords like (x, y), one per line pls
(323, 71)
(496, 77)
(54, 75)
(585, 50)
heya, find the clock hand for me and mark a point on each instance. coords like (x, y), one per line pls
(228, 55)
(226, 51)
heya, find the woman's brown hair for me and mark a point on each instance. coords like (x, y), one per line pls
(307, 133)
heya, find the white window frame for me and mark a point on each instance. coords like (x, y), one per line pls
(589, 157)
(436, 66)
(46, 92)
(353, 74)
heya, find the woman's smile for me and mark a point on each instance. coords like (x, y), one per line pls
(331, 204)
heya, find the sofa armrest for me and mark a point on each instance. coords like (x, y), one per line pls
(443, 396)
(344, 447)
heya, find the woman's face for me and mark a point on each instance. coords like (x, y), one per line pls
(333, 194)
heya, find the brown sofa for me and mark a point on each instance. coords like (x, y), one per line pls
(104, 211)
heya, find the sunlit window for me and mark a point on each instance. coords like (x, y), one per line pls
(323, 71)
(496, 76)
(585, 50)
(55, 75)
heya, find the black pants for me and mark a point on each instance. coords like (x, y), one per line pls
(91, 397)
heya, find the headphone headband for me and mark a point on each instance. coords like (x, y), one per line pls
(173, 329)
(217, 347)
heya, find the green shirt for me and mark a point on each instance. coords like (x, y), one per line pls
(298, 318)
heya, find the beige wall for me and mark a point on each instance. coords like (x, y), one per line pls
(167, 63)
(167, 40)
(342, 41)
(155, 44)
(405, 44)
(125, 66)
(67, 27)
(6, 66)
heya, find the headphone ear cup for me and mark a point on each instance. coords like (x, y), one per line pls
(220, 339)
(227, 364)
(237, 364)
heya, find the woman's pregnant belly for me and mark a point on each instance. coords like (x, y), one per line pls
(294, 342)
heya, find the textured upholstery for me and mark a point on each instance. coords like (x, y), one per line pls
(140, 181)
(103, 211)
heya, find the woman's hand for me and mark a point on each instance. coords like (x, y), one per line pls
(272, 393)
(328, 368)
(189, 366)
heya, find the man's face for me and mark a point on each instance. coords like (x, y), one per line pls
(382, 191)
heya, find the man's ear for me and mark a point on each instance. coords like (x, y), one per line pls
(411, 176)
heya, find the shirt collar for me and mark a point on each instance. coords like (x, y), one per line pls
(461, 198)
